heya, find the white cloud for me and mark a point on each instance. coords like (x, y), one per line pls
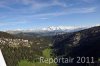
(44, 18)
(70, 11)
(33, 6)
(12, 23)
(84, 10)
(88, 1)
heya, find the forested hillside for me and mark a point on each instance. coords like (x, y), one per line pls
(84, 43)
(22, 48)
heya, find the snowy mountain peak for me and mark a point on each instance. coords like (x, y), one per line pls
(52, 28)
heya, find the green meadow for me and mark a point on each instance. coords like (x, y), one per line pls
(46, 53)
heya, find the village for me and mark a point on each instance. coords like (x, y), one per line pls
(15, 42)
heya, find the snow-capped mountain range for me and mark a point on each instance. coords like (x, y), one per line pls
(51, 29)
(69, 28)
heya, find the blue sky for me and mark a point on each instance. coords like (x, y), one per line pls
(36, 14)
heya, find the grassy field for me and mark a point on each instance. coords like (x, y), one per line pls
(27, 63)
(46, 53)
